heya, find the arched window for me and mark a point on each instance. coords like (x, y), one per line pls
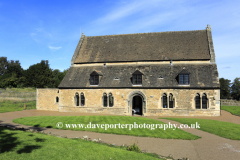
(204, 101)
(111, 99)
(82, 99)
(76, 99)
(171, 101)
(57, 99)
(104, 100)
(164, 101)
(197, 101)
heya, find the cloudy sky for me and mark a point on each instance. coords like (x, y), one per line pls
(35, 30)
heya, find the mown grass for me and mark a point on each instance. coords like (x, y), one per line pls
(11, 106)
(223, 129)
(15, 144)
(51, 121)
(235, 110)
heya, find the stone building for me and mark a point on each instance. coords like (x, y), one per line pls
(161, 73)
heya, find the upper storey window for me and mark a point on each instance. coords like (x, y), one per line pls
(183, 77)
(94, 78)
(137, 78)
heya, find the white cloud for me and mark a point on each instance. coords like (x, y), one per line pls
(40, 34)
(54, 48)
(126, 10)
(140, 16)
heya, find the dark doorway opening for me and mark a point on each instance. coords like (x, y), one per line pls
(137, 105)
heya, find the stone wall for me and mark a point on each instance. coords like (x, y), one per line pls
(225, 102)
(152, 101)
(46, 99)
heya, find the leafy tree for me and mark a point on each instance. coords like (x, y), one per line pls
(58, 77)
(10, 73)
(3, 65)
(39, 75)
(14, 67)
(235, 89)
(225, 88)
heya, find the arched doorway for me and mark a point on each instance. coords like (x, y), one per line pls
(137, 105)
(137, 99)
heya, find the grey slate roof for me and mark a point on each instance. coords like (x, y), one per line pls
(201, 76)
(158, 46)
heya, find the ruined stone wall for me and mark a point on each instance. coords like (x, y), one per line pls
(184, 101)
(46, 99)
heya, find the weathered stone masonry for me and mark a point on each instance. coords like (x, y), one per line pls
(46, 99)
(184, 101)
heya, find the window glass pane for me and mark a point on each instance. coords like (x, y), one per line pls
(204, 102)
(186, 79)
(181, 79)
(105, 101)
(77, 100)
(197, 102)
(165, 101)
(91, 80)
(134, 79)
(139, 79)
(96, 80)
(110, 100)
(82, 100)
(170, 101)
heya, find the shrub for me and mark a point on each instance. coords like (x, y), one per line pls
(134, 147)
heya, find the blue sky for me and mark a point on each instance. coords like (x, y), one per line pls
(34, 30)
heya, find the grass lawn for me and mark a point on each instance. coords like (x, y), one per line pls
(51, 121)
(223, 129)
(15, 144)
(11, 106)
(235, 110)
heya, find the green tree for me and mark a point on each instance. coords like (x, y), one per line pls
(58, 77)
(225, 88)
(40, 75)
(14, 67)
(235, 89)
(10, 73)
(3, 65)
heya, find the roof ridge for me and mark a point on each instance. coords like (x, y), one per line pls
(144, 33)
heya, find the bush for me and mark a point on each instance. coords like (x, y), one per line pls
(134, 147)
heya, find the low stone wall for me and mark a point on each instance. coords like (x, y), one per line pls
(225, 102)
(17, 99)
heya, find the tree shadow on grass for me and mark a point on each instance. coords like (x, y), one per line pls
(7, 141)
(39, 140)
(28, 149)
